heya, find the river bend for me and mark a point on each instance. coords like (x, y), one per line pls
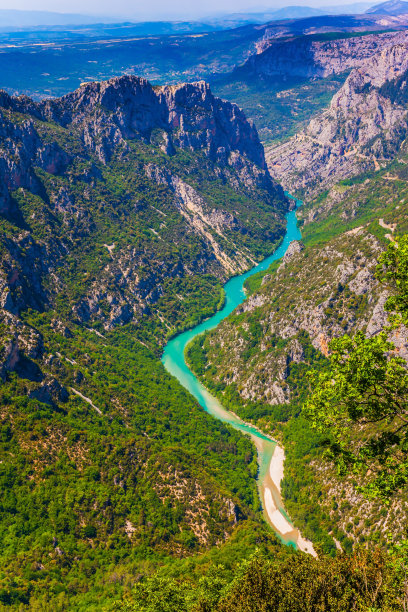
(270, 455)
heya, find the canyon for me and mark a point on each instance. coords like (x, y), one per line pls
(125, 207)
(361, 130)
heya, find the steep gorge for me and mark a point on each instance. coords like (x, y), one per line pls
(123, 209)
(351, 163)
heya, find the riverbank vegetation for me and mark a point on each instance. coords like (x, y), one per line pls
(328, 507)
(355, 404)
(364, 581)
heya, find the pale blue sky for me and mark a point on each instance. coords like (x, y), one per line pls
(146, 9)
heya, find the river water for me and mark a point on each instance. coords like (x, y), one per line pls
(270, 457)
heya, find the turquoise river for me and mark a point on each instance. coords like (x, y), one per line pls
(270, 457)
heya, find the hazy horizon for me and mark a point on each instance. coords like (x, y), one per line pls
(158, 9)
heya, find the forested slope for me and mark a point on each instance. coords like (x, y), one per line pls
(355, 408)
(123, 209)
(257, 360)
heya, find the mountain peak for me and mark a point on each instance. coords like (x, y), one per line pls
(189, 113)
(391, 7)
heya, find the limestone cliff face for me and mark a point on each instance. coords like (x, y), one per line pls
(321, 291)
(129, 107)
(311, 58)
(112, 148)
(20, 150)
(362, 128)
(108, 114)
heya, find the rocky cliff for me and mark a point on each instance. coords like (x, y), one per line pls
(361, 130)
(323, 292)
(257, 361)
(129, 107)
(179, 165)
(106, 114)
(313, 57)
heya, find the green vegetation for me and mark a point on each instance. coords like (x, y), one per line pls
(361, 202)
(365, 581)
(393, 270)
(118, 491)
(360, 383)
(355, 415)
(254, 283)
(108, 468)
(118, 206)
(278, 107)
(302, 444)
(246, 362)
(396, 90)
(87, 495)
(49, 70)
(361, 401)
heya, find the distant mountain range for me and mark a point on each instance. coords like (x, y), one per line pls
(16, 20)
(392, 7)
(288, 12)
(22, 19)
(88, 25)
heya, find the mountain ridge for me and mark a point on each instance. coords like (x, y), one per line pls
(310, 57)
(392, 7)
(362, 128)
(129, 107)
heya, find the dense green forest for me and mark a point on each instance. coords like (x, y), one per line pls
(296, 583)
(104, 535)
(102, 452)
(360, 383)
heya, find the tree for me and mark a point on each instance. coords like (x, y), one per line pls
(157, 594)
(361, 401)
(393, 270)
(294, 583)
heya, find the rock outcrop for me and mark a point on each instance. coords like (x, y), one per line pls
(294, 248)
(109, 112)
(112, 146)
(311, 57)
(363, 127)
(321, 292)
